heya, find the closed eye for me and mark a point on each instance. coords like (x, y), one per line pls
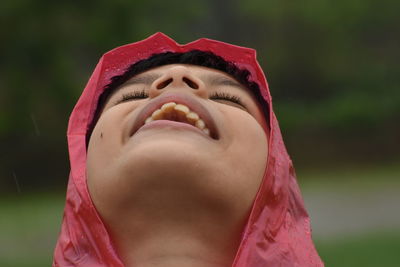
(135, 95)
(228, 97)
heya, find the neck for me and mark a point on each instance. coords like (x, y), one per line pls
(175, 249)
(174, 226)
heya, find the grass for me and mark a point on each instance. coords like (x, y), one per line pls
(361, 178)
(372, 250)
(29, 227)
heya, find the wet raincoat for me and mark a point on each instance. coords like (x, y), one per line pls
(277, 232)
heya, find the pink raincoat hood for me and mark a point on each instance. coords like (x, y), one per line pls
(277, 232)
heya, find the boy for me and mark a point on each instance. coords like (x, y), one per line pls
(177, 160)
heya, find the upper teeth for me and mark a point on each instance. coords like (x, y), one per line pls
(180, 112)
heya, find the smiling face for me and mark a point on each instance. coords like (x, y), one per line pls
(203, 148)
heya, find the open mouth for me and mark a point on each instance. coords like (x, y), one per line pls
(180, 113)
(179, 109)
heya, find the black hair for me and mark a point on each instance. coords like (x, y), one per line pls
(193, 57)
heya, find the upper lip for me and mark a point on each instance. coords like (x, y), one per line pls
(178, 98)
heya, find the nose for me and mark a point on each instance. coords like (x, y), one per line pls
(178, 78)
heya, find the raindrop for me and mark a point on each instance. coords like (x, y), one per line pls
(306, 223)
(37, 131)
(16, 182)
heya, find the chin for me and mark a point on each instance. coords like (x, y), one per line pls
(177, 158)
(177, 146)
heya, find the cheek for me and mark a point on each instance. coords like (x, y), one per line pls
(103, 140)
(104, 144)
(250, 142)
(107, 136)
(246, 130)
(247, 152)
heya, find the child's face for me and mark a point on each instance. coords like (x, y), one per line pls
(171, 161)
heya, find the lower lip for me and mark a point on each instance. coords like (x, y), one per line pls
(171, 124)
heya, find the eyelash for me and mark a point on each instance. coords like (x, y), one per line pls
(228, 97)
(216, 95)
(133, 96)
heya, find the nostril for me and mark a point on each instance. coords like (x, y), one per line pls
(164, 84)
(190, 83)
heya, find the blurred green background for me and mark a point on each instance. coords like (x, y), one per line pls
(333, 70)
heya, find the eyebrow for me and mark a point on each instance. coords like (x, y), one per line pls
(215, 80)
(147, 79)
